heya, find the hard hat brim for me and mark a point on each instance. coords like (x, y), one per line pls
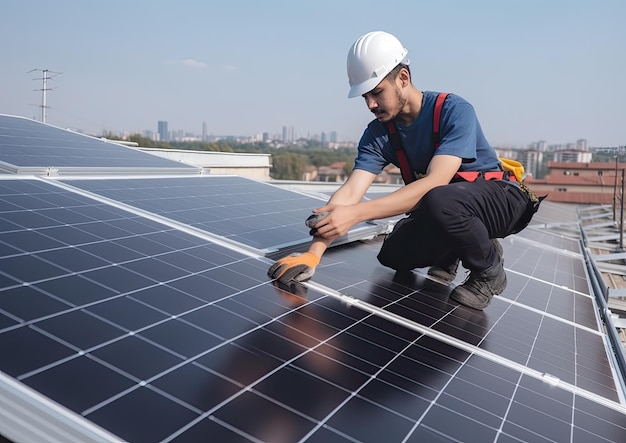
(364, 87)
(369, 84)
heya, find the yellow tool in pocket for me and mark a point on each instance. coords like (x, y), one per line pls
(514, 167)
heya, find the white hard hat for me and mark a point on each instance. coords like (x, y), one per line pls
(371, 58)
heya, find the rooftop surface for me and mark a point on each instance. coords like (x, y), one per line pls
(139, 309)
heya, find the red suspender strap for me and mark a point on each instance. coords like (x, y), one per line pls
(437, 118)
(396, 143)
(405, 168)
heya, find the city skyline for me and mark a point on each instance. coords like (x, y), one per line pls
(533, 71)
(289, 134)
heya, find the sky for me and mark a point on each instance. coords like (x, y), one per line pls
(534, 70)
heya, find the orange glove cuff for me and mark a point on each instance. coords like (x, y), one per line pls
(308, 258)
(295, 266)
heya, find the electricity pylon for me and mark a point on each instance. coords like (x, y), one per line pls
(46, 75)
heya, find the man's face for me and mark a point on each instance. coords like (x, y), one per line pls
(385, 100)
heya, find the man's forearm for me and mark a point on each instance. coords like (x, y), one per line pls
(319, 245)
(398, 202)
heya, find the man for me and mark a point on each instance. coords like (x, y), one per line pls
(450, 219)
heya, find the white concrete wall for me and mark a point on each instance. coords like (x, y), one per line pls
(255, 166)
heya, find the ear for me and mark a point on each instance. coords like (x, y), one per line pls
(404, 77)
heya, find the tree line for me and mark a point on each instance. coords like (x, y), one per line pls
(288, 162)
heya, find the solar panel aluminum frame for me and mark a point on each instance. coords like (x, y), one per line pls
(73, 171)
(370, 230)
(26, 415)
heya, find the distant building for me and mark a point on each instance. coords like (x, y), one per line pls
(507, 153)
(391, 175)
(532, 160)
(251, 165)
(579, 182)
(572, 155)
(164, 135)
(540, 146)
(288, 134)
(176, 135)
(332, 173)
(205, 133)
(310, 174)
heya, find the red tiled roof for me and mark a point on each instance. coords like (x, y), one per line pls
(583, 180)
(579, 197)
(337, 165)
(605, 166)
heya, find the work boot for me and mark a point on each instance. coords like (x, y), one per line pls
(479, 288)
(448, 273)
(445, 273)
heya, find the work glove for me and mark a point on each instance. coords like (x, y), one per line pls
(315, 219)
(295, 266)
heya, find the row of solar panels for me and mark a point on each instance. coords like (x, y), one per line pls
(256, 215)
(30, 147)
(139, 309)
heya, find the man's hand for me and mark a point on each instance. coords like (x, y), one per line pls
(295, 266)
(314, 219)
(333, 221)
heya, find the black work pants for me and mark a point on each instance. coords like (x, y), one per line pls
(456, 221)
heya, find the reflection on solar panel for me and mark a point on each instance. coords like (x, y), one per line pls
(31, 147)
(266, 218)
(144, 332)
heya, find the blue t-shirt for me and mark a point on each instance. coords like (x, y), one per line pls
(459, 130)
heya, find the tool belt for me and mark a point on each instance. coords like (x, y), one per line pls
(533, 201)
(471, 176)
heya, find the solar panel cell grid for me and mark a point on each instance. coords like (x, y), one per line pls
(258, 215)
(27, 143)
(523, 334)
(158, 335)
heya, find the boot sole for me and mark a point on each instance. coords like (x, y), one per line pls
(467, 298)
(441, 275)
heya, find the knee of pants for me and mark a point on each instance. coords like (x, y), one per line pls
(434, 203)
(391, 260)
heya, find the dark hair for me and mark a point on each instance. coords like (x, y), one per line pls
(393, 74)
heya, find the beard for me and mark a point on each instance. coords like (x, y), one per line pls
(384, 116)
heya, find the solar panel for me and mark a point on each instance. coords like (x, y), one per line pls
(118, 325)
(31, 147)
(266, 218)
(543, 329)
(533, 307)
